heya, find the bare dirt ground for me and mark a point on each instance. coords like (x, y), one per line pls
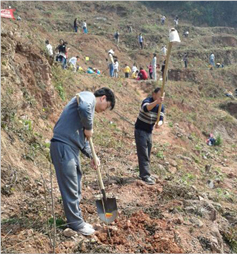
(192, 206)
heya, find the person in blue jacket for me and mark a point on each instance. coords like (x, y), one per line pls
(143, 132)
(70, 134)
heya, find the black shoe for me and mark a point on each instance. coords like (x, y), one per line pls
(148, 180)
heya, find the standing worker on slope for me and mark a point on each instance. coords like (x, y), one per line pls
(70, 132)
(143, 132)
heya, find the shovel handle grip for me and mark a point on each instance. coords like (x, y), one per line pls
(98, 168)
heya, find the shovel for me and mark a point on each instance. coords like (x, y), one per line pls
(106, 207)
(173, 37)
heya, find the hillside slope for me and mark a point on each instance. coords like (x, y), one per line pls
(192, 207)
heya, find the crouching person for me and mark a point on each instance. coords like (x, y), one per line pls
(73, 127)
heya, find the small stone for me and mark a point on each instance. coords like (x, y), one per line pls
(68, 232)
(172, 170)
(98, 227)
(173, 163)
(210, 184)
(189, 209)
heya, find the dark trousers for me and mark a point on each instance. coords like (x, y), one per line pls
(126, 74)
(185, 63)
(67, 166)
(141, 45)
(144, 144)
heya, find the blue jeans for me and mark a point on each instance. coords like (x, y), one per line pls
(212, 62)
(85, 30)
(75, 28)
(111, 70)
(63, 60)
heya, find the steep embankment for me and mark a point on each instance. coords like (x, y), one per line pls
(192, 207)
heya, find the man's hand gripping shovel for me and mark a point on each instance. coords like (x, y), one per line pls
(106, 207)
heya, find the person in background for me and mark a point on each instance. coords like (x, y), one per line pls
(70, 138)
(50, 55)
(140, 40)
(185, 59)
(84, 27)
(126, 70)
(62, 53)
(163, 18)
(154, 65)
(135, 74)
(134, 67)
(73, 62)
(116, 37)
(186, 33)
(212, 60)
(150, 70)
(142, 75)
(116, 68)
(143, 132)
(163, 51)
(162, 70)
(75, 25)
(176, 21)
(111, 62)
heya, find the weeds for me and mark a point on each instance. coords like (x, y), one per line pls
(218, 141)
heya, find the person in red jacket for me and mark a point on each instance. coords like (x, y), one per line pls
(142, 74)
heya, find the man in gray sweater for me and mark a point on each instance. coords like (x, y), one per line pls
(74, 127)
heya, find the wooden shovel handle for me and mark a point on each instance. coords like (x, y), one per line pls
(98, 168)
(164, 79)
(94, 158)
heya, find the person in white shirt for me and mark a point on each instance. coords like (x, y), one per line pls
(154, 67)
(84, 26)
(134, 68)
(116, 68)
(49, 48)
(49, 52)
(164, 50)
(111, 62)
(73, 62)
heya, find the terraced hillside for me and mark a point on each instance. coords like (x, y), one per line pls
(192, 206)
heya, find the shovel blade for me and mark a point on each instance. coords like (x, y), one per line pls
(107, 209)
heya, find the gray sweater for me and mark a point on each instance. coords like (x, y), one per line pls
(70, 126)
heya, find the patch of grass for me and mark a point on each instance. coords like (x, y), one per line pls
(60, 222)
(160, 155)
(231, 238)
(60, 89)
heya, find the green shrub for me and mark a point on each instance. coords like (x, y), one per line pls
(218, 141)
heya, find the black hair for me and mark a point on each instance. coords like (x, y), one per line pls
(108, 93)
(154, 54)
(77, 56)
(156, 90)
(47, 41)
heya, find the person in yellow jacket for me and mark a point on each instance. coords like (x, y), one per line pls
(135, 74)
(127, 70)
